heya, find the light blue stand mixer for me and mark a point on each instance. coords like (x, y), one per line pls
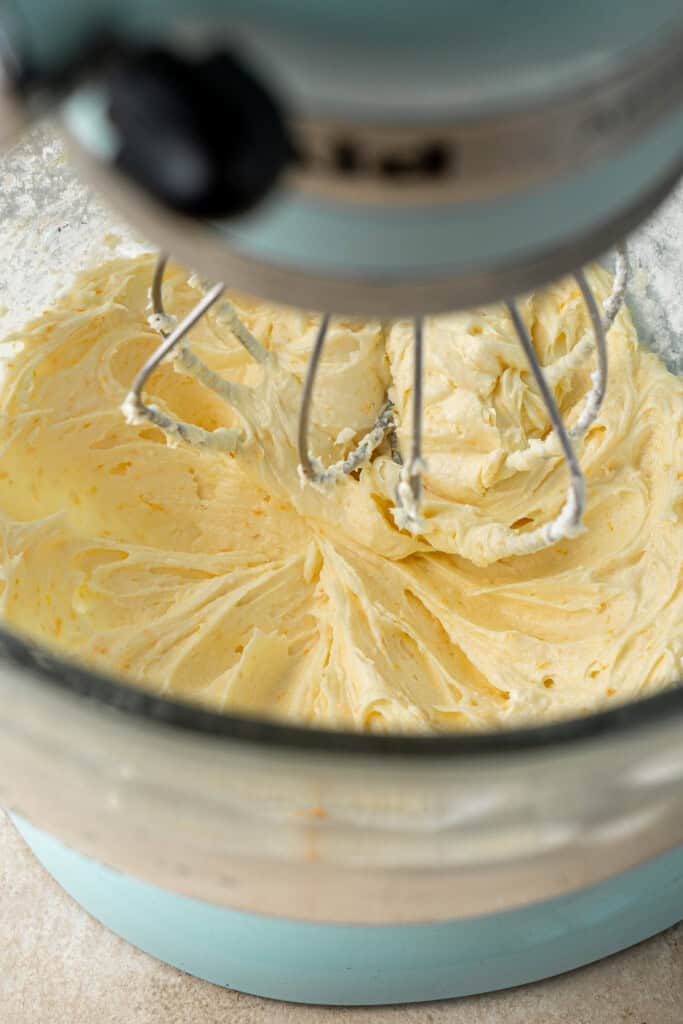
(386, 159)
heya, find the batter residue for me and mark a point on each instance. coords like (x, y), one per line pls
(218, 578)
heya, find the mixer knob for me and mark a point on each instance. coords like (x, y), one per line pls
(203, 137)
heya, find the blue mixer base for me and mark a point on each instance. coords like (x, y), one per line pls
(354, 965)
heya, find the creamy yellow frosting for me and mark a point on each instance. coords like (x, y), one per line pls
(219, 578)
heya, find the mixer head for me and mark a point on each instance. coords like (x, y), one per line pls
(377, 160)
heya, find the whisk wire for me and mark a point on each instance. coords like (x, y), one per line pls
(596, 395)
(309, 466)
(311, 469)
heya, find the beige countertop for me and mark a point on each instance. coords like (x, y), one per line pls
(59, 966)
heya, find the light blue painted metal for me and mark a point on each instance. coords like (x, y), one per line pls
(352, 965)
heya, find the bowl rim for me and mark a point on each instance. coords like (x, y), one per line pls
(53, 670)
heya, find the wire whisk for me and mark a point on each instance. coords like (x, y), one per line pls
(407, 512)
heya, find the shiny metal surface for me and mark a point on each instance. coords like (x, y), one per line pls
(395, 213)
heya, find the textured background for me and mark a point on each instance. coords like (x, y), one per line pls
(59, 966)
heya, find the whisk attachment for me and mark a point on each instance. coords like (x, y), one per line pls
(311, 468)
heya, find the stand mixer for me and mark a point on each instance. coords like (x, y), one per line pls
(366, 160)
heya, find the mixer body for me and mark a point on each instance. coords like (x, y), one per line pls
(407, 163)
